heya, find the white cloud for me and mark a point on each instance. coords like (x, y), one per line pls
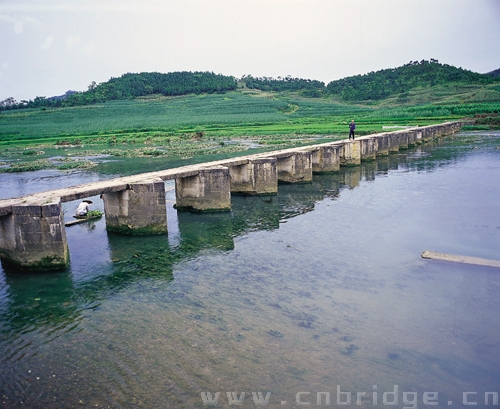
(47, 43)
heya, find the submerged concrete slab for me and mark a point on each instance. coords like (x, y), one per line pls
(461, 259)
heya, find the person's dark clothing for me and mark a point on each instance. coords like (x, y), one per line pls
(352, 128)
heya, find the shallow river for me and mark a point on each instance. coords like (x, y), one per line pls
(315, 297)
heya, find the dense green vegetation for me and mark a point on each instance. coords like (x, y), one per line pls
(385, 83)
(308, 88)
(399, 82)
(495, 73)
(130, 86)
(189, 115)
(235, 114)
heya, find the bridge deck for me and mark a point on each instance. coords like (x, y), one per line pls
(82, 191)
(114, 185)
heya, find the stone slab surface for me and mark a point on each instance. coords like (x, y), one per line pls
(461, 259)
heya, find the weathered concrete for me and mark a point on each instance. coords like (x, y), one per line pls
(32, 237)
(351, 153)
(368, 147)
(403, 138)
(325, 158)
(393, 142)
(257, 177)
(209, 190)
(294, 166)
(382, 144)
(32, 233)
(461, 259)
(138, 210)
(413, 137)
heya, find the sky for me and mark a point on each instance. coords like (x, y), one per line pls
(48, 47)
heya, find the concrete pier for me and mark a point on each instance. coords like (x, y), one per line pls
(208, 190)
(326, 158)
(257, 177)
(382, 144)
(32, 237)
(351, 153)
(393, 142)
(138, 210)
(369, 148)
(403, 138)
(413, 137)
(32, 233)
(294, 167)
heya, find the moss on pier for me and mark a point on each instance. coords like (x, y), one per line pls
(141, 231)
(46, 264)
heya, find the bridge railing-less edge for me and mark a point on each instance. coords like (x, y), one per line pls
(32, 231)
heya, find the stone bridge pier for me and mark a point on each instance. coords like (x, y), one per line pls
(382, 144)
(294, 167)
(32, 230)
(208, 190)
(138, 210)
(369, 148)
(33, 237)
(351, 153)
(257, 177)
(325, 158)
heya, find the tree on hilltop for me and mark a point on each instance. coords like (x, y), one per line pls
(393, 81)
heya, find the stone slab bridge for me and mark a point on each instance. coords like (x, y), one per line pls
(32, 230)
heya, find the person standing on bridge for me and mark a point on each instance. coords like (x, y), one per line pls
(352, 128)
(83, 208)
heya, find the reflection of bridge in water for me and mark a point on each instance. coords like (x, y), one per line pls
(32, 232)
(58, 300)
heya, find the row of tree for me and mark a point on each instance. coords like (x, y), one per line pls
(130, 86)
(372, 86)
(307, 87)
(385, 83)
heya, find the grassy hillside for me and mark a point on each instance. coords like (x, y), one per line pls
(178, 129)
(235, 114)
(158, 107)
(402, 81)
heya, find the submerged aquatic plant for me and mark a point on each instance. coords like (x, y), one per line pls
(93, 214)
(27, 166)
(85, 164)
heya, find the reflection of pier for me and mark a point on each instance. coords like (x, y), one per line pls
(32, 234)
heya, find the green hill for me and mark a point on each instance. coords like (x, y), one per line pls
(495, 73)
(379, 85)
(130, 86)
(413, 83)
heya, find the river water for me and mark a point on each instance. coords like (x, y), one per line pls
(315, 297)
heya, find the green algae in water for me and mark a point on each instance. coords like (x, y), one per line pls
(322, 285)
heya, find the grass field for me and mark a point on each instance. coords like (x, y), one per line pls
(205, 124)
(247, 113)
